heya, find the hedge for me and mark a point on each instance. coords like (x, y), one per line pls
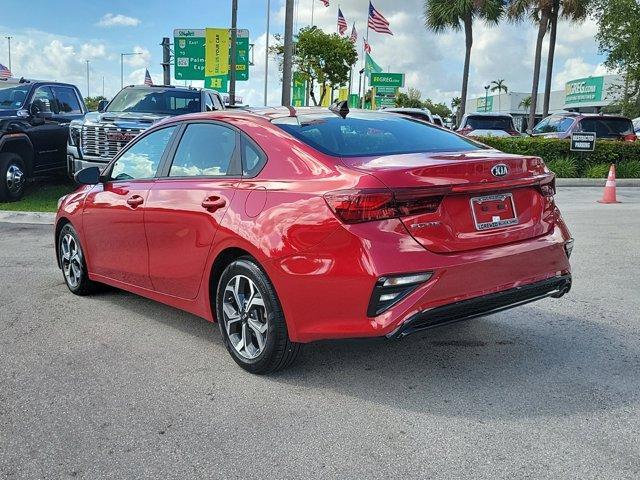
(553, 150)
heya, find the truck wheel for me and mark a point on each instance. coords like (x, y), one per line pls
(13, 177)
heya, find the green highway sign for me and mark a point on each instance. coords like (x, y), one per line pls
(583, 90)
(381, 79)
(188, 58)
(189, 54)
(480, 104)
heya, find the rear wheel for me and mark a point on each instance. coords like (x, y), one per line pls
(12, 177)
(251, 320)
(72, 262)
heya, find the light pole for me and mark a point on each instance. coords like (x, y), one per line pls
(266, 55)
(287, 62)
(87, 78)
(486, 96)
(9, 43)
(232, 52)
(122, 55)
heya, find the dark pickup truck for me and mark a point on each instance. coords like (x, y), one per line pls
(34, 127)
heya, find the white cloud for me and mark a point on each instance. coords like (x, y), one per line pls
(92, 51)
(142, 58)
(118, 20)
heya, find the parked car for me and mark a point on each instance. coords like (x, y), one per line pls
(419, 113)
(636, 126)
(487, 125)
(289, 226)
(99, 136)
(562, 125)
(34, 126)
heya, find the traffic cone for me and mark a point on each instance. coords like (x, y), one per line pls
(609, 195)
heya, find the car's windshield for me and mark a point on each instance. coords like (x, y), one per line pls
(155, 100)
(371, 134)
(607, 127)
(13, 96)
(486, 122)
(553, 124)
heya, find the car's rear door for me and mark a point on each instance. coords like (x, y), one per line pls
(187, 204)
(114, 211)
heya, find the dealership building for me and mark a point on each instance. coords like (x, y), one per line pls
(586, 95)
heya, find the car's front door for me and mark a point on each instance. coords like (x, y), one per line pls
(48, 137)
(114, 211)
(186, 205)
(68, 107)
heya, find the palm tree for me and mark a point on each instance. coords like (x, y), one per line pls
(443, 15)
(525, 103)
(573, 10)
(499, 86)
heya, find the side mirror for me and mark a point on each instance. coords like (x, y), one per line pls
(88, 176)
(40, 109)
(102, 105)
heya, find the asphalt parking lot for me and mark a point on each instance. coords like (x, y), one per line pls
(117, 386)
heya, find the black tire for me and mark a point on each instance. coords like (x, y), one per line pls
(13, 176)
(278, 351)
(71, 268)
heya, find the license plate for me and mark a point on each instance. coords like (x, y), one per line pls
(494, 211)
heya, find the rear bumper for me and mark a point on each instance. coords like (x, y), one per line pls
(483, 305)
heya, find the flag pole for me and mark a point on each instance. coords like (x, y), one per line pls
(364, 86)
(313, 4)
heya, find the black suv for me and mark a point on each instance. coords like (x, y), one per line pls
(99, 136)
(34, 126)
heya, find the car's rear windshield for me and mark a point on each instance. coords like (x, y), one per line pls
(371, 134)
(607, 127)
(553, 124)
(486, 122)
(155, 100)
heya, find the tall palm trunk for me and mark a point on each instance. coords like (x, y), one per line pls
(468, 36)
(542, 29)
(553, 21)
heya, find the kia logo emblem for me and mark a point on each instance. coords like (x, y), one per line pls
(499, 170)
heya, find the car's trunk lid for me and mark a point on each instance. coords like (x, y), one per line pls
(486, 198)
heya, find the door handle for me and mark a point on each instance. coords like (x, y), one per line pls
(135, 200)
(213, 203)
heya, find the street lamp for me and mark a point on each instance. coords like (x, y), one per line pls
(122, 55)
(87, 78)
(486, 96)
(9, 42)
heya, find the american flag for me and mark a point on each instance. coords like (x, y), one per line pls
(147, 78)
(367, 47)
(4, 72)
(354, 34)
(342, 23)
(325, 2)
(377, 22)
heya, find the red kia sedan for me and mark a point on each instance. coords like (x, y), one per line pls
(288, 226)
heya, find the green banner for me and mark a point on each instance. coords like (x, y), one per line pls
(583, 90)
(380, 79)
(480, 104)
(299, 95)
(354, 100)
(370, 66)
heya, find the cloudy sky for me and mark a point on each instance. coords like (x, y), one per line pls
(52, 40)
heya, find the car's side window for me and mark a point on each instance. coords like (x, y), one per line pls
(252, 158)
(208, 103)
(67, 100)
(217, 103)
(44, 96)
(205, 150)
(141, 160)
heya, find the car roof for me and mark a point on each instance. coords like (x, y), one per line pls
(587, 115)
(172, 87)
(487, 114)
(31, 81)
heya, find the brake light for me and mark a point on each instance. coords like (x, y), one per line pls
(630, 138)
(367, 205)
(548, 189)
(513, 132)
(465, 130)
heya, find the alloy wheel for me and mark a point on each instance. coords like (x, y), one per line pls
(71, 256)
(245, 316)
(15, 179)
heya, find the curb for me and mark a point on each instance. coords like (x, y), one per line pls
(596, 182)
(40, 218)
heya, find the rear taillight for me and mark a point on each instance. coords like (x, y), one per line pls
(466, 130)
(548, 189)
(513, 133)
(367, 205)
(632, 137)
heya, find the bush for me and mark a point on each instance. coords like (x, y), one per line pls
(552, 149)
(629, 169)
(563, 167)
(599, 170)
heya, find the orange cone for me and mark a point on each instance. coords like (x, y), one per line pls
(609, 195)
